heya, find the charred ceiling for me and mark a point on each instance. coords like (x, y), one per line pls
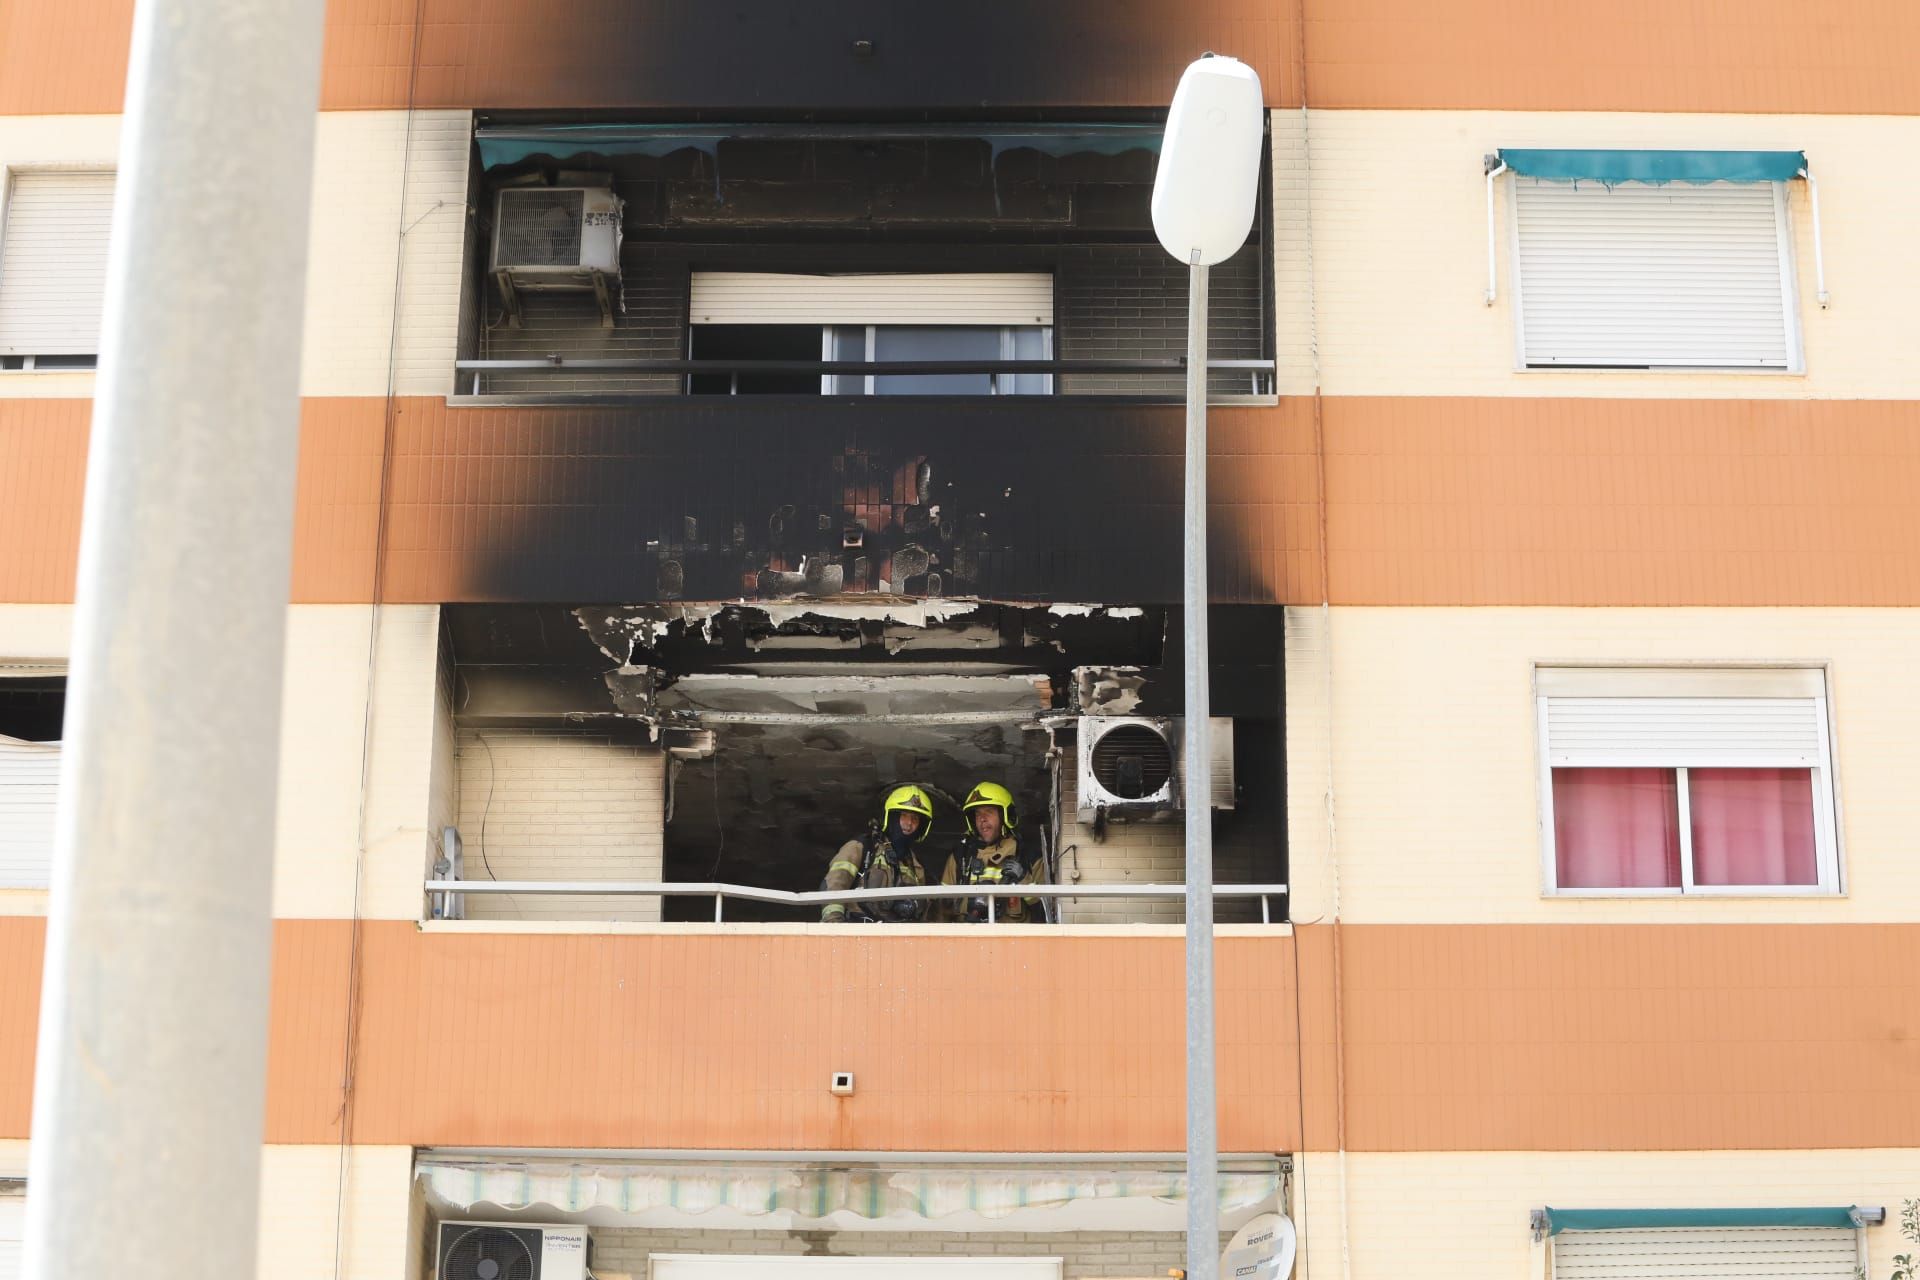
(785, 721)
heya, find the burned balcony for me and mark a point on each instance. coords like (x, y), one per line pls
(622, 261)
(620, 763)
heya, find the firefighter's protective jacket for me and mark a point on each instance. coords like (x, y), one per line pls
(883, 869)
(992, 865)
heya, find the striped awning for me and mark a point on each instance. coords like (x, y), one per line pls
(613, 1191)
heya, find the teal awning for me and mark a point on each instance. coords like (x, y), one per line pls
(509, 144)
(1559, 1220)
(1656, 166)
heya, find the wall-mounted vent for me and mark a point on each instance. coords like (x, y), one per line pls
(511, 1251)
(1130, 767)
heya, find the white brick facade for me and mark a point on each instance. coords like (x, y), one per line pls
(540, 805)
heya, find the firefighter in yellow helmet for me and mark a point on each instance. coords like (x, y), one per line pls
(990, 857)
(884, 859)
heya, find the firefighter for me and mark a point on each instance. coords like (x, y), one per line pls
(883, 859)
(990, 856)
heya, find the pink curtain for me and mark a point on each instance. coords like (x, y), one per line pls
(1752, 826)
(1616, 828)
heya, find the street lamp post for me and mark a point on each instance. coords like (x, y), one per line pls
(150, 1086)
(1204, 196)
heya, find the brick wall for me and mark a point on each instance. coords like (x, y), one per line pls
(651, 325)
(1085, 1254)
(541, 805)
(1142, 853)
(1125, 302)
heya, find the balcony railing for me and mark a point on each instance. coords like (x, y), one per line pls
(1260, 373)
(439, 892)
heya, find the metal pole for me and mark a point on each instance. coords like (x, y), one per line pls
(150, 1082)
(1203, 1139)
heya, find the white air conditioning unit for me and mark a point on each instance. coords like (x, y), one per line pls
(511, 1251)
(1131, 768)
(565, 239)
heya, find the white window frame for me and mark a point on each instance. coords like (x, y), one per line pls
(1692, 682)
(9, 176)
(1007, 348)
(1796, 365)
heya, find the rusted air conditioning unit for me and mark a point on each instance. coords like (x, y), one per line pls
(1130, 767)
(557, 239)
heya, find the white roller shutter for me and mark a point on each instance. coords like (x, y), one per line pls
(29, 776)
(688, 1266)
(1702, 732)
(1654, 276)
(983, 298)
(13, 1228)
(53, 262)
(1707, 1253)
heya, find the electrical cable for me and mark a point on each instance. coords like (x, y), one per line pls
(351, 1030)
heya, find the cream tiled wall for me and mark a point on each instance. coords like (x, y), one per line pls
(302, 1210)
(538, 805)
(1397, 247)
(1463, 1214)
(1435, 771)
(362, 159)
(301, 1218)
(1129, 853)
(324, 723)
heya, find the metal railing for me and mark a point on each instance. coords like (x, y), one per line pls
(439, 892)
(1260, 372)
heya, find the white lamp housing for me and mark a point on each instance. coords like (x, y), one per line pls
(1208, 184)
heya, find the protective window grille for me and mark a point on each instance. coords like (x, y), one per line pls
(53, 267)
(1707, 1253)
(541, 227)
(1645, 276)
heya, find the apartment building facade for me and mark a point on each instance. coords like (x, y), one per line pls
(1563, 584)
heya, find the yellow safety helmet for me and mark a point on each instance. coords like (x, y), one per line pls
(992, 793)
(910, 799)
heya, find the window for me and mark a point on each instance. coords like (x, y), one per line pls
(1676, 780)
(31, 708)
(980, 317)
(53, 268)
(13, 1229)
(1637, 275)
(1708, 1253)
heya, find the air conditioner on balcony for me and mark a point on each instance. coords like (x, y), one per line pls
(511, 1251)
(1130, 768)
(557, 239)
